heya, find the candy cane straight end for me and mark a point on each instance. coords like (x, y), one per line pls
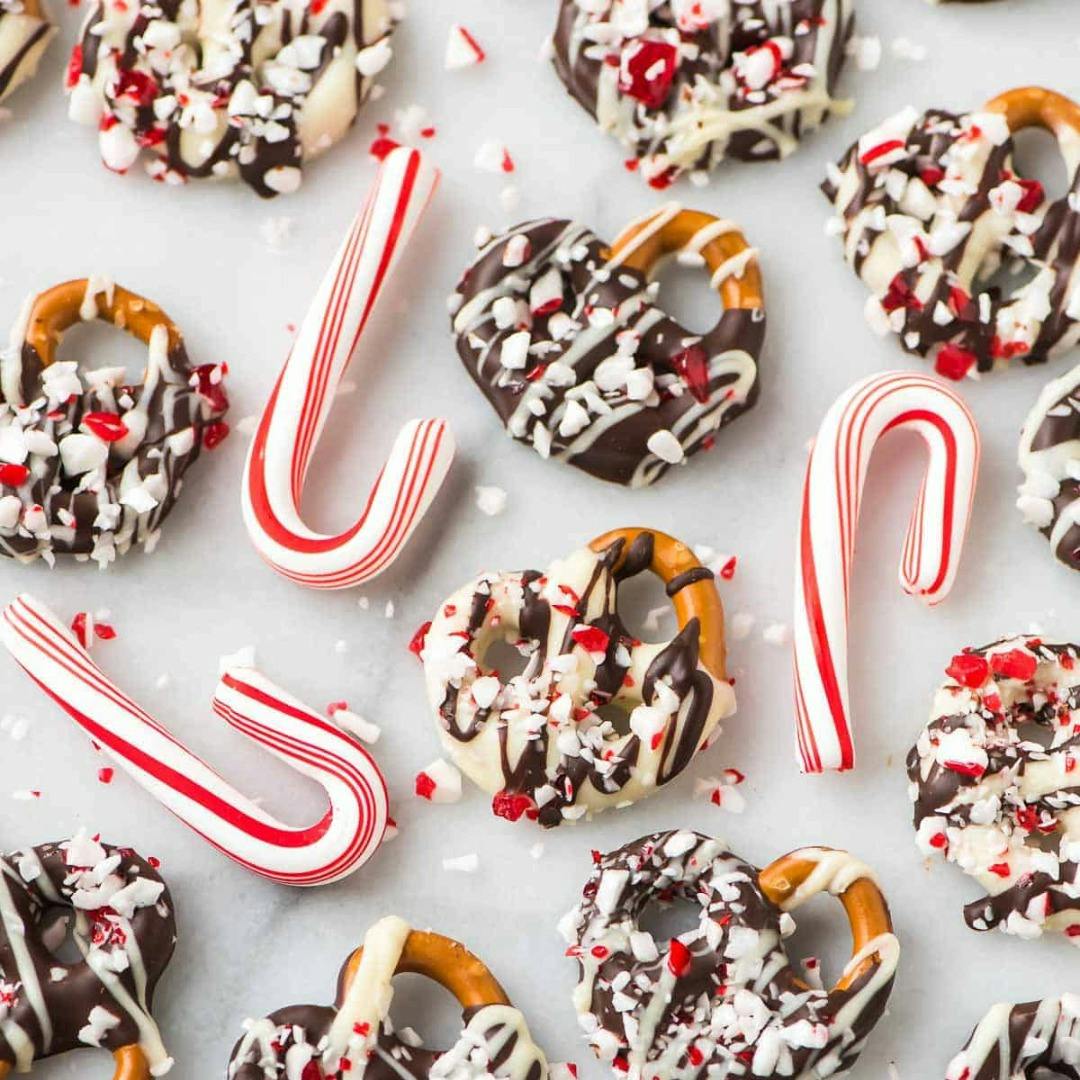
(341, 841)
(832, 495)
(297, 410)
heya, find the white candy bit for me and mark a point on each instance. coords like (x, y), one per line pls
(742, 623)
(440, 782)
(537, 850)
(514, 353)
(905, 49)
(776, 634)
(865, 51)
(485, 690)
(545, 296)
(575, 419)
(284, 179)
(15, 726)
(10, 509)
(244, 657)
(463, 864)
(370, 61)
(99, 1023)
(275, 231)
(493, 157)
(462, 49)
(80, 453)
(355, 724)
(490, 500)
(517, 250)
(666, 446)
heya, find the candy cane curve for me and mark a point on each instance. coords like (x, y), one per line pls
(341, 841)
(832, 495)
(303, 395)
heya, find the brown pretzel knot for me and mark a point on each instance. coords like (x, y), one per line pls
(565, 336)
(545, 743)
(931, 208)
(357, 1028)
(89, 464)
(724, 990)
(122, 923)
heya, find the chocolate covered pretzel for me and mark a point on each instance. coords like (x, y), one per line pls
(25, 33)
(931, 210)
(564, 336)
(1049, 456)
(722, 999)
(251, 89)
(999, 800)
(683, 84)
(356, 1036)
(90, 463)
(1023, 1042)
(543, 743)
(121, 919)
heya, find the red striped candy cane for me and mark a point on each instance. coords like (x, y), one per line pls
(830, 512)
(300, 402)
(343, 839)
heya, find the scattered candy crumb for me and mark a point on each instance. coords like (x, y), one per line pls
(462, 49)
(439, 782)
(490, 500)
(776, 634)
(742, 622)
(244, 657)
(353, 722)
(464, 864)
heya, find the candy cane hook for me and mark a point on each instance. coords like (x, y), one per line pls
(301, 400)
(832, 495)
(343, 839)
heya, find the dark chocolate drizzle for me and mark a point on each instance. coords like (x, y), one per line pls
(611, 446)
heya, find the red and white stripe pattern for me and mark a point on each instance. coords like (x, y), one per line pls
(832, 495)
(340, 841)
(301, 400)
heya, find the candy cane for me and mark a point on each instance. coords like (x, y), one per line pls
(343, 839)
(300, 402)
(830, 512)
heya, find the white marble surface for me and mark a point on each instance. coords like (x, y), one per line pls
(248, 946)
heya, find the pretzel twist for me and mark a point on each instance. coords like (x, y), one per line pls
(540, 742)
(58, 309)
(1035, 106)
(733, 264)
(783, 881)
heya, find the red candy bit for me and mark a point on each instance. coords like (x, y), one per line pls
(900, 295)
(1001, 869)
(679, 958)
(694, 1056)
(107, 426)
(932, 175)
(663, 180)
(1014, 664)
(692, 366)
(13, 475)
(1072, 931)
(214, 434)
(727, 571)
(966, 768)
(425, 786)
(137, 86)
(939, 840)
(511, 805)
(312, 1071)
(209, 382)
(416, 642)
(954, 361)
(74, 67)
(381, 147)
(591, 638)
(968, 670)
(600, 952)
(647, 70)
(958, 300)
(1033, 196)
(879, 151)
(106, 775)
